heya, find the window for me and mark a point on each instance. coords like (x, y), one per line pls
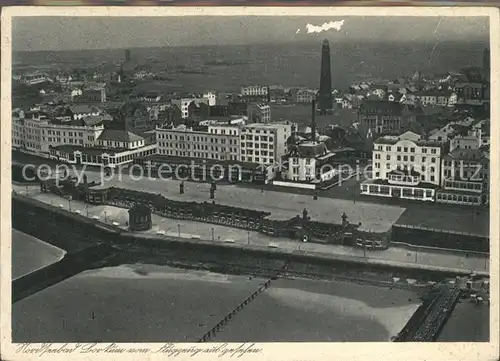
(388, 157)
(424, 150)
(399, 149)
(424, 159)
(399, 157)
(412, 158)
(405, 158)
(412, 150)
(433, 160)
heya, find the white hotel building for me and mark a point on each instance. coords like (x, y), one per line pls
(264, 143)
(76, 144)
(252, 143)
(36, 134)
(254, 90)
(214, 144)
(208, 98)
(405, 166)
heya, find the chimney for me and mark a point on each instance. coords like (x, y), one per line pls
(313, 121)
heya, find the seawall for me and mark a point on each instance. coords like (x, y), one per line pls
(75, 233)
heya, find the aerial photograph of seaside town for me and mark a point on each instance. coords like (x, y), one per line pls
(250, 179)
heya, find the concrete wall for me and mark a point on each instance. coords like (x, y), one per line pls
(428, 238)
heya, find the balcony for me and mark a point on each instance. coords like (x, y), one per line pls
(404, 177)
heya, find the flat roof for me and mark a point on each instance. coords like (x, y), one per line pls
(384, 182)
(92, 151)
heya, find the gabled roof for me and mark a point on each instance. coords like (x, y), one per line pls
(381, 107)
(118, 135)
(309, 149)
(128, 109)
(466, 154)
(83, 109)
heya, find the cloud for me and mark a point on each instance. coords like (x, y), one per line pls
(336, 25)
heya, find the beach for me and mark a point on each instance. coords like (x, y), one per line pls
(30, 253)
(148, 303)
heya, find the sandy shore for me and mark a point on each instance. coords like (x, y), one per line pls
(147, 303)
(30, 253)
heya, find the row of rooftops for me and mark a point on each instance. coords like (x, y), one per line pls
(223, 124)
(387, 107)
(393, 139)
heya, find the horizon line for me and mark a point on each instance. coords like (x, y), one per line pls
(249, 44)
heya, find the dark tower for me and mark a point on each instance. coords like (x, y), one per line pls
(127, 55)
(313, 121)
(325, 100)
(486, 64)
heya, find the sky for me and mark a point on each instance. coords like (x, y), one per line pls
(71, 33)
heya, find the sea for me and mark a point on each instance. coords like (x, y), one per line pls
(192, 69)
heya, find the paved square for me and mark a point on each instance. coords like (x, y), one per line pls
(373, 217)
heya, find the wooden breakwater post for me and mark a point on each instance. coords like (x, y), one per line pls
(213, 331)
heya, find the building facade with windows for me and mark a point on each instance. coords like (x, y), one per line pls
(465, 177)
(305, 96)
(385, 117)
(36, 134)
(259, 113)
(183, 103)
(254, 91)
(306, 163)
(264, 143)
(112, 148)
(186, 142)
(405, 166)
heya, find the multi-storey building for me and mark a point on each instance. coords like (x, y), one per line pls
(94, 94)
(433, 97)
(264, 143)
(35, 78)
(259, 113)
(186, 142)
(111, 149)
(385, 117)
(136, 117)
(254, 91)
(183, 103)
(306, 161)
(79, 111)
(464, 177)
(75, 142)
(405, 166)
(305, 96)
(36, 134)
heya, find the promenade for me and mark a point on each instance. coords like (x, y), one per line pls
(421, 258)
(283, 206)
